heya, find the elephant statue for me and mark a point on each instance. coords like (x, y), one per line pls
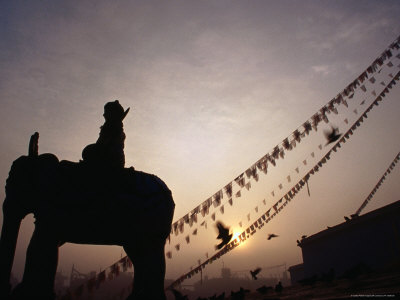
(84, 204)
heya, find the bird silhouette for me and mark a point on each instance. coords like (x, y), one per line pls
(223, 234)
(272, 235)
(332, 135)
(264, 289)
(254, 273)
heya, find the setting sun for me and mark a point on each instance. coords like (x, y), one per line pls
(236, 235)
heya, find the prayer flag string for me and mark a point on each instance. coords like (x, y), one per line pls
(277, 207)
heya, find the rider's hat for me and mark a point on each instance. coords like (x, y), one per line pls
(114, 110)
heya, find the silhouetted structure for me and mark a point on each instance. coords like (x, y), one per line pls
(117, 288)
(363, 243)
(217, 297)
(279, 287)
(296, 272)
(264, 289)
(92, 202)
(178, 295)
(239, 295)
(234, 286)
(77, 278)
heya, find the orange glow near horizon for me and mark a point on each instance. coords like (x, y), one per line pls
(236, 235)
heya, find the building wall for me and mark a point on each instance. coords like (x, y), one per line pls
(374, 242)
(296, 273)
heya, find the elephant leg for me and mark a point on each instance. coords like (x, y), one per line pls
(148, 260)
(40, 266)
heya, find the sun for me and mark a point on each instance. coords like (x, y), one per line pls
(236, 236)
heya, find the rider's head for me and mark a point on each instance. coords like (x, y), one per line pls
(113, 111)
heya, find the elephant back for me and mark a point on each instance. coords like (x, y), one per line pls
(151, 202)
(109, 205)
(146, 184)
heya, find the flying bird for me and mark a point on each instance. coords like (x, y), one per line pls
(254, 273)
(332, 135)
(223, 234)
(272, 235)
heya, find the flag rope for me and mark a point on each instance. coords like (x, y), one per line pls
(378, 98)
(266, 217)
(287, 144)
(290, 142)
(374, 190)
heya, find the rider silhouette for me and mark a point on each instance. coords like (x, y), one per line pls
(108, 151)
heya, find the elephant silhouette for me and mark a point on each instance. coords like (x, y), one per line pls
(77, 203)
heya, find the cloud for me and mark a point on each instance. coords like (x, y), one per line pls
(335, 26)
(322, 69)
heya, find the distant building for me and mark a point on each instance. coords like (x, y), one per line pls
(228, 282)
(77, 278)
(113, 287)
(60, 283)
(226, 273)
(371, 240)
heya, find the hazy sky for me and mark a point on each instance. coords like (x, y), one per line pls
(212, 87)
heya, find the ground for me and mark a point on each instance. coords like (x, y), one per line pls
(383, 285)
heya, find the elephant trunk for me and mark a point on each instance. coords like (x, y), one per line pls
(13, 214)
(33, 150)
(8, 242)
